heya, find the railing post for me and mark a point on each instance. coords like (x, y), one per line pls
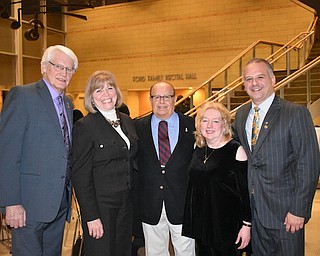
(209, 89)
(225, 79)
(288, 65)
(226, 84)
(308, 88)
(304, 49)
(191, 101)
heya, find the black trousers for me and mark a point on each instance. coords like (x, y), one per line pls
(116, 210)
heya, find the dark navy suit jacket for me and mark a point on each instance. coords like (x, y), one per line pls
(169, 185)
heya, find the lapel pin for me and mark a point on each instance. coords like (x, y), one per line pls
(68, 105)
(186, 129)
(266, 125)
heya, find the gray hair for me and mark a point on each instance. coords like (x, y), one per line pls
(50, 51)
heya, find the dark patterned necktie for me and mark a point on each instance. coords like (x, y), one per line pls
(164, 144)
(65, 133)
(255, 127)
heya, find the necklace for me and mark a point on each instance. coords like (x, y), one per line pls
(206, 156)
(114, 123)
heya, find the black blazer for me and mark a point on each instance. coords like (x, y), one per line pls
(168, 185)
(101, 161)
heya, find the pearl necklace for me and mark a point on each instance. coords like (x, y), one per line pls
(206, 157)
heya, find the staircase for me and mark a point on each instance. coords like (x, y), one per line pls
(297, 72)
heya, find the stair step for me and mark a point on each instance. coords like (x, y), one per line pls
(239, 99)
(240, 93)
(300, 97)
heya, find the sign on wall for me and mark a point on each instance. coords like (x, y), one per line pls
(166, 77)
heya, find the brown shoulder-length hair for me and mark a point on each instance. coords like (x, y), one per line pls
(225, 116)
(96, 81)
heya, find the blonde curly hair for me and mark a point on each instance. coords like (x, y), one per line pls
(225, 116)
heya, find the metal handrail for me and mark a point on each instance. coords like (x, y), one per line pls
(238, 82)
(302, 41)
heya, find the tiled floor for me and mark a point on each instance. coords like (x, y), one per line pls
(312, 234)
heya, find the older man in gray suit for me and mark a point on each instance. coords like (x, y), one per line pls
(284, 165)
(35, 126)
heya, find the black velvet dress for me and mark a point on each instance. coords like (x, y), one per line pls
(217, 199)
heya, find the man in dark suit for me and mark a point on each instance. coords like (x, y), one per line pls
(283, 163)
(34, 157)
(163, 185)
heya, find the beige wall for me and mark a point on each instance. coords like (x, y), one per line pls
(140, 40)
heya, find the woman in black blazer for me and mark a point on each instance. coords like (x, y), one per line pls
(104, 148)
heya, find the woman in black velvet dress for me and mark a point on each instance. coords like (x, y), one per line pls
(217, 212)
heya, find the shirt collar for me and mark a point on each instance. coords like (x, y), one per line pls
(264, 106)
(171, 120)
(54, 94)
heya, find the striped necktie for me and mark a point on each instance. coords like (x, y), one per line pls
(255, 127)
(65, 133)
(164, 144)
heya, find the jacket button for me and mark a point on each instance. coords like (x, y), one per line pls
(161, 187)
(163, 171)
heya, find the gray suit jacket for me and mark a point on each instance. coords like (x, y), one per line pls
(283, 169)
(32, 152)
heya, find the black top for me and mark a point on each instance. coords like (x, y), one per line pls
(217, 198)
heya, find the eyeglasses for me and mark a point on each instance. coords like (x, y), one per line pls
(165, 98)
(59, 67)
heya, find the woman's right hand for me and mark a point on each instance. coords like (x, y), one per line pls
(95, 228)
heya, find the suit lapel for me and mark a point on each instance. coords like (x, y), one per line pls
(48, 105)
(268, 121)
(242, 133)
(150, 145)
(69, 110)
(183, 130)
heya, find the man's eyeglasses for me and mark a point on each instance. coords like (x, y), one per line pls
(59, 67)
(157, 98)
